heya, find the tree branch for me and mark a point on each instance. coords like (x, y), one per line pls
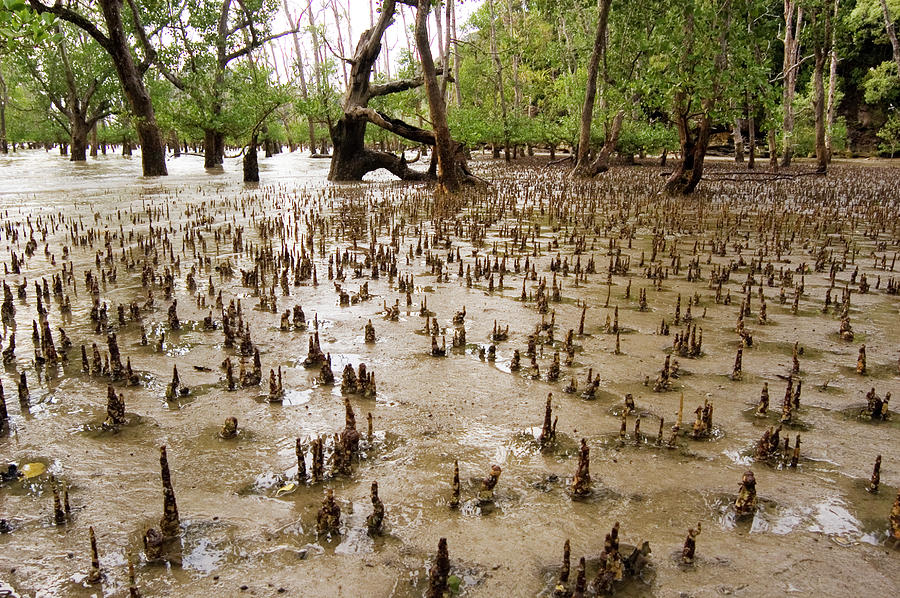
(254, 45)
(390, 87)
(394, 125)
(73, 17)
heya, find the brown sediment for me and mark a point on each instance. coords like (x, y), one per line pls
(581, 483)
(328, 520)
(376, 519)
(745, 503)
(690, 545)
(439, 572)
(875, 480)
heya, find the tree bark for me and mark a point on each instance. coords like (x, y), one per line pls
(751, 142)
(4, 100)
(498, 67)
(738, 141)
(94, 141)
(351, 160)
(213, 148)
(601, 163)
(80, 131)
(790, 66)
(773, 151)
(304, 93)
(456, 58)
(892, 34)
(832, 85)
(153, 154)
(445, 148)
(820, 51)
(251, 163)
(694, 143)
(582, 165)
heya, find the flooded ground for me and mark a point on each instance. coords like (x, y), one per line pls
(248, 525)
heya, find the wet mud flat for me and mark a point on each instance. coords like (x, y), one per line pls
(605, 290)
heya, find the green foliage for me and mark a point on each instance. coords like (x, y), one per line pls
(889, 134)
(882, 83)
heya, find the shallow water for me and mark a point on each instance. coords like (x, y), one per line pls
(817, 532)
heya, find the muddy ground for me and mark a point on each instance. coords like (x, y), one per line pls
(245, 531)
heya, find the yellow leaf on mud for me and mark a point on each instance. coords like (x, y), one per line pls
(33, 470)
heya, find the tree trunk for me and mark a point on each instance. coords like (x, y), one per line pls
(832, 85)
(892, 34)
(126, 147)
(251, 164)
(351, 160)
(751, 142)
(790, 66)
(445, 148)
(820, 52)
(80, 131)
(773, 151)
(738, 141)
(4, 100)
(213, 148)
(498, 66)
(601, 164)
(176, 145)
(153, 154)
(694, 143)
(456, 58)
(94, 141)
(582, 165)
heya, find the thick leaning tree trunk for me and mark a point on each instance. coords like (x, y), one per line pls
(350, 159)
(153, 152)
(694, 143)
